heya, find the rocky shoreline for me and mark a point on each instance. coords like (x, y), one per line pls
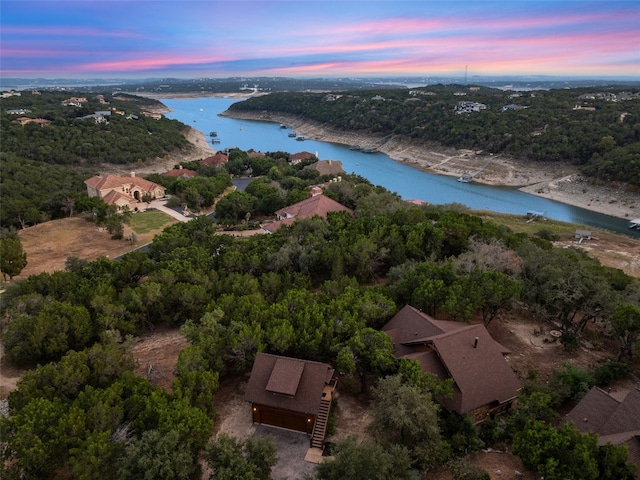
(558, 182)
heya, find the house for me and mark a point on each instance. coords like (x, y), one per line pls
(316, 205)
(469, 107)
(291, 393)
(615, 421)
(484, 383)
(180, 173)
(122, 191)
(327, 167)
(299, 157)
(217, 160)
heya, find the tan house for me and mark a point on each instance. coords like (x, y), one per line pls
(291, 393)
(484, 383)
(123, 191)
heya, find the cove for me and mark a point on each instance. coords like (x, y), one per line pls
(408, 182)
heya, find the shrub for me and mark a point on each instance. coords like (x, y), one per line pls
(462, 469)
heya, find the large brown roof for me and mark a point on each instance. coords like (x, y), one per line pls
(287, 383)
(598, 412)
(481, 374)
(312, 206)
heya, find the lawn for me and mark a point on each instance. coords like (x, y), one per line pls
(148, 221)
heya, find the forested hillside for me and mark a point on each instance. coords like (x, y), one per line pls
(52, 141)
(598, 130)
(319, 290)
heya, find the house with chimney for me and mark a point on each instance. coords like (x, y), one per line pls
(484, 385)
(291, 393)
(123, 191)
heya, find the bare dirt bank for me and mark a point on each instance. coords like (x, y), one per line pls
(556, 181)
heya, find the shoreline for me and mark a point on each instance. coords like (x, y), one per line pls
(554, 181)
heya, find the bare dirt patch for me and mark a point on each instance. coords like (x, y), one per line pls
(157, 356)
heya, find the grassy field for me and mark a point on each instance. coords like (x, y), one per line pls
(148, 221)
(519, 224)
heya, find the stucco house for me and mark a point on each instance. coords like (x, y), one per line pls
(291, 393)
(484, 383)
(122, 191)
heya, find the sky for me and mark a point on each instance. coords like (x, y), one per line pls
(327, 38)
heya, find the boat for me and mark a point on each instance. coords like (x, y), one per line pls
(213, 134)
(282, 125)
(293, 134)
(368, 150)
(355, 147)
(300, 138)
(635, 223)
(465, 178)
(215, 140)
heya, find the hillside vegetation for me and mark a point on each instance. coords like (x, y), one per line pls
(598, 130)
(53, 141)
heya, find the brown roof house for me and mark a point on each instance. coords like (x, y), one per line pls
(484, 383)
(291, 393)
(122, 191)
(299, 157)
(317, 204)
(217, 160)
(180, 172)
(614, 421)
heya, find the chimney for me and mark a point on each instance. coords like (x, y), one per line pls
(475, 343)
(133, 174)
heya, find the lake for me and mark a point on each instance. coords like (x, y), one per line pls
(378, 168)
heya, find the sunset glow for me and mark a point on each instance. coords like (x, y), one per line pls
(119, 38)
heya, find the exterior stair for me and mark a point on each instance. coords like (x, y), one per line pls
(320, 427)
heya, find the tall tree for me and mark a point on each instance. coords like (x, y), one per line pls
(13, 258)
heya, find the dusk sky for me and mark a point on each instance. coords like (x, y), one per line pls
(305, 38)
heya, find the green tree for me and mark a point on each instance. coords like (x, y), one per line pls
(625, 323)
(13, 258)
(406, 415)
(232, 459)
(557, 453)
(234, 207)
(158, 455)
(366, 461)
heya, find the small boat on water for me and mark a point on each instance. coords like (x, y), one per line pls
(355, 147)
(282, 125)
(213, 134)
(635, 223)
(300, 138)
(465, 178)
(215, 140)
(293, 134)
(368, 150)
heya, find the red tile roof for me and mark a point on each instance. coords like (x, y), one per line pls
(481, 374)
(287, 383)
(114, 181)
(180, 172)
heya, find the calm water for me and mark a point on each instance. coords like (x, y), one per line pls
(408, 182)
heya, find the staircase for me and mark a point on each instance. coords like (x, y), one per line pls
(320, 427)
